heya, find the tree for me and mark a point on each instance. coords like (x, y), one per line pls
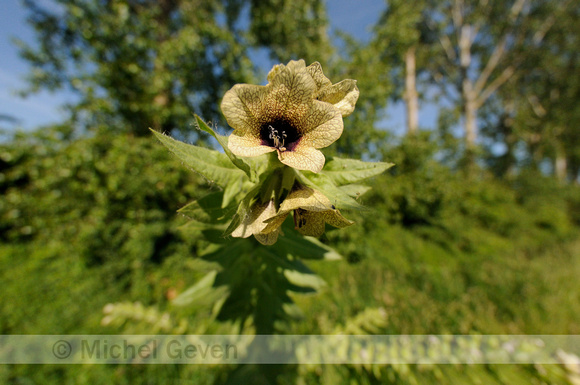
(531, 114)
(544, 97)
(400, 34)
(135, 64)
(291, 29)
(478, 42)
(138, 64)
(360, 61)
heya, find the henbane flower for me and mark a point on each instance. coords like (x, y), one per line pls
(295, 114)
(312, 210)
(254, 223)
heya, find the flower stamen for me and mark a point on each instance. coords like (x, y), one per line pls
(278, 139)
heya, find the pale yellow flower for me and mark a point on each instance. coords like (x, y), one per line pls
(253, 224)
(295, 114)
(312, 210)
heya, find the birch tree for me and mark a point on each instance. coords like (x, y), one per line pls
(401, 39)
(477, 40)
(545, 94)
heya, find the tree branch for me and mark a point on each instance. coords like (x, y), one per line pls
(537, 107)
(499, 50)
(457, 15)
(491, 64)
(447, 46)
(548, 23)
(517, 9)
(493, 86)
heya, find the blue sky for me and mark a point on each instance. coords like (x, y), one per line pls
(39, 109)
(354, 17)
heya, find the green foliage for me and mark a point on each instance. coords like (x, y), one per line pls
(216, 167)
(64, 209)
(361, 62)
(537, 109)
(135, 65)
(291, 29)
(91, 240)
(89, 228)
(251, 283)
(348, 171)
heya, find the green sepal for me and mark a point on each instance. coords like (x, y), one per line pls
(233, 189)
(326, 186)
(212, 164)
(288, 178)
(347, 171)
(243, 209)
(223, 141)
(269, 186)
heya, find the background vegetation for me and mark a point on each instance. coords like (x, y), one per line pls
(476, 228)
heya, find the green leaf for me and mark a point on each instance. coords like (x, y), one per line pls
(347, 171)
(223, 141)
(355, 190)
(301, 279)
(296, 245)
(243, 209)
(202, 293)
(326, 186)
(288, 178)
(235, 187)
(210, 163)
(297, 277)
(214, 233)
(208, 209)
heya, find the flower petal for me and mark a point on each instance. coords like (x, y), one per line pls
(342, 95)
(268, 239)
(274, 223)
(293, 64)
(315, 70)
(289, 96)
(322, 125)
(243, 106)
(303, 158)
(254, 223)
(309, 223)
(296, 65)
(335, 218)
(313, 223)
(274, 71)
(247, 145)
(307, 199)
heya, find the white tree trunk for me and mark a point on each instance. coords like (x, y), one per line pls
(411, 96)
(469, 94)
(561, 165)
(470, 112)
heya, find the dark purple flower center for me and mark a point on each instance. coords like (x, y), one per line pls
(279, 135)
